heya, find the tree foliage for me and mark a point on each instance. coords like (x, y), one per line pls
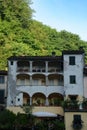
(7, 119)
(21, 35)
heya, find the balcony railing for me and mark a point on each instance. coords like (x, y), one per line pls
(54, 69)
(23, 69)
(37, 69)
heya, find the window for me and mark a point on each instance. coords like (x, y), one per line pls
(2, 96)
(12, 101)
(77, 122)
(72, 60)
(72, 79)
(18, 99)
(2, 79)
(11, 62)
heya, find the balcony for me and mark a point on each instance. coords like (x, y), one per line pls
(23, 69)
(38, 69)
(54, 69)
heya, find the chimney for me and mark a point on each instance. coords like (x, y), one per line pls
(53, 53)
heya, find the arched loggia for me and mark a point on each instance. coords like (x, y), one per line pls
(23, 79)
(38, 99)
(55, 99)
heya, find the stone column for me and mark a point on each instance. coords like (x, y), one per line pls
(30, 101)
(30, 66)
(46, 66)
(47, 81)
(30, 80)
(47, 102)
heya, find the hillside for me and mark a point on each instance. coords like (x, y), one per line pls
(21, 35)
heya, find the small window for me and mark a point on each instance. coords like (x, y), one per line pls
(11, 62)
(77, 122)
(18, 99)
(2, 79)
(72, 60)
(72, 79)
(12, 101)
(2, 92)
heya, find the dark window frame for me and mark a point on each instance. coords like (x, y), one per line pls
(2, 79)
(11, 62)
(2, 95)
(77, 122)
(71, 60)
(72, 79)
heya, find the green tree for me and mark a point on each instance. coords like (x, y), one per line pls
(18, 10)
(7, 119)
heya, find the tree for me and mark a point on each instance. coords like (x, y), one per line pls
(18, 10)
(7, 119)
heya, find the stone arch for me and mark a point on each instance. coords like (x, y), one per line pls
(40, 68)
(23, 66)
(55, 66)
(39, 79)
(22, 79)
(55, 99)
(38, 99)
(55, 79)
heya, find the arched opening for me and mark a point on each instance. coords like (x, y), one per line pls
(23, 66)
(38, 99)
(38, 79)
(39, 66)
(55, 99)
(55, 66)
(55, 80)
(26, 99)
(23, 79)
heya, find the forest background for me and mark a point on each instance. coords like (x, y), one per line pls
(21, 35)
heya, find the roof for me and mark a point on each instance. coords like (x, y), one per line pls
(33, 58)
(71, 52)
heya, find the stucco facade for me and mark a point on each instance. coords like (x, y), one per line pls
(32, 78)
(69, 117)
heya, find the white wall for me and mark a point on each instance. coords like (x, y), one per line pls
(76, 70)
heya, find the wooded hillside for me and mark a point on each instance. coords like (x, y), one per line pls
(21, 35)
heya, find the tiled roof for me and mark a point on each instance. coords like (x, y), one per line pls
(39, 58)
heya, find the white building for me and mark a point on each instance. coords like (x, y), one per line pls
(45, 81)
